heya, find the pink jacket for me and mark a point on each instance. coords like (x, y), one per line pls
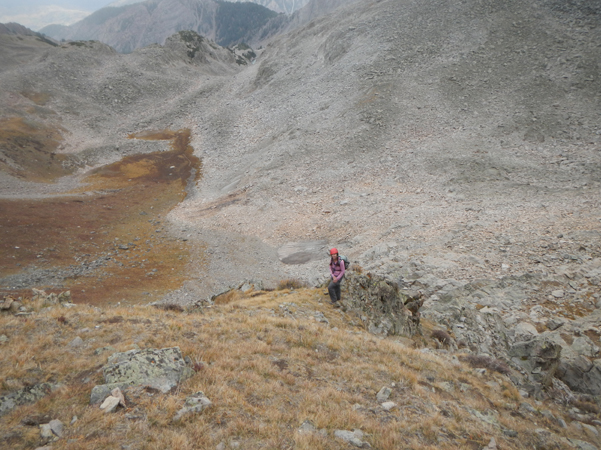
(337, 269)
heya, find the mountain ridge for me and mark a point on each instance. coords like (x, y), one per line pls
(128, 27)
(132, 26)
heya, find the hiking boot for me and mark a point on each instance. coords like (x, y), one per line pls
(335, 304)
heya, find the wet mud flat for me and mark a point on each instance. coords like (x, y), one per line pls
(107, 242)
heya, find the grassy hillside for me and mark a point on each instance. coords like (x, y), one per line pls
(269, 362)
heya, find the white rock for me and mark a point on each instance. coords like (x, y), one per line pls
(110, 404)
(558, 293)
(46, 431)
(387, 406)
(57, 427)
(118, 394)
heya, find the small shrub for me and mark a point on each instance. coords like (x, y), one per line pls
(587, 406)
(291, 283)
(228, 297)
(170, 307)
(486, 362)
(442, 336)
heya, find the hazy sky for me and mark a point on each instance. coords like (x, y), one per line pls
(83, 5)
(36, 14)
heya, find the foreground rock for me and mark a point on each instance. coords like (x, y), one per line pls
(379, 304)
(160, 369)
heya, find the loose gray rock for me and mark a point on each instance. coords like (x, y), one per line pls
(195, 403)
(383, 394)
(527, 407)
(352, 437)
(75, 343)
(492, 445)
(307, 427)
(57, 427)
(554, 323)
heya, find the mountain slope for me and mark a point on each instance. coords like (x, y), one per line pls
(400, 129)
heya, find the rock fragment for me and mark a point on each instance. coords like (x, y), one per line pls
(195, 403)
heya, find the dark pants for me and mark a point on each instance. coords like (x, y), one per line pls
(334, 290)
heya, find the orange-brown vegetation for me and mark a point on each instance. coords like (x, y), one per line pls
(28, 150)
(117, 219)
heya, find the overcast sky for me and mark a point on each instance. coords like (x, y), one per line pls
(36, 14)
(84, 5)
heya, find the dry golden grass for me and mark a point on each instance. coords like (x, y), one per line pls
(266, 369)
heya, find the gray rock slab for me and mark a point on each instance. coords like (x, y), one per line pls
(580, 374)
(302, 252)
(582, 445)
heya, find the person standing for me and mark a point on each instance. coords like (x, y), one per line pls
(337, 273)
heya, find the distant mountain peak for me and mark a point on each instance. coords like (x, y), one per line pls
(279, 6)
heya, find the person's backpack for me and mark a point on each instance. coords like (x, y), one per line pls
(347, 263)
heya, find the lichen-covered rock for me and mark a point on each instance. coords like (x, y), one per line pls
(379, 304)
(30, 394)
(160, 369)
(539, 356)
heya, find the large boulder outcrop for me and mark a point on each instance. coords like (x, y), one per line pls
(160, 369)
(538, 356)
(380, 304)
(580, 374)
